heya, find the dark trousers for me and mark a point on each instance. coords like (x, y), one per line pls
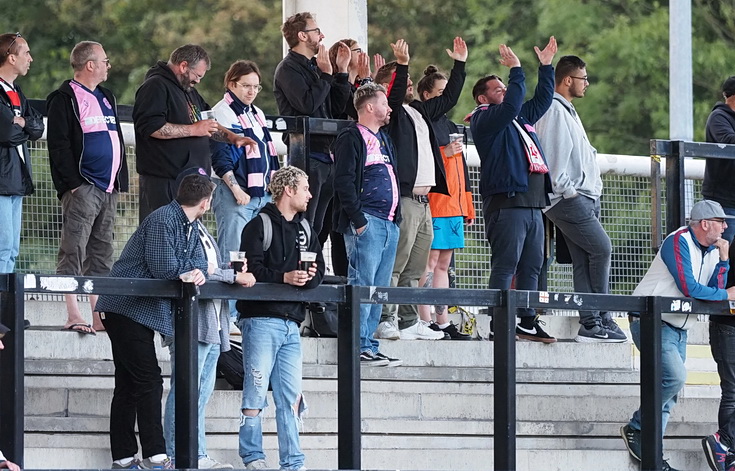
(138, 389)
(722, 343)
(154, 193)
(321, 186)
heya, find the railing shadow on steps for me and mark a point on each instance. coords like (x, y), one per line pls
(13, 288)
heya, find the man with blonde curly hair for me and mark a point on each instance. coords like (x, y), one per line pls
(271, 345)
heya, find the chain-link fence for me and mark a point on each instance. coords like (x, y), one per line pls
(626, 215)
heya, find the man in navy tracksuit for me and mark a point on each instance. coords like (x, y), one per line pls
(514, 180)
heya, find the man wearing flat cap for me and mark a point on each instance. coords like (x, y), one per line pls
(692, 262)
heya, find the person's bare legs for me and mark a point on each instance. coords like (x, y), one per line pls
(441, 279)
(96, 321)
(425, 309)
(74, 315)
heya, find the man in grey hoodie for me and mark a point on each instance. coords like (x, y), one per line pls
(575, 201)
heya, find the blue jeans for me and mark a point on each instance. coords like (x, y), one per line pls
(11, 208)
(722, 343)
(231, 219)
(271, 353)
(578, 219)
(208, 354)
(516, 237)
(371, 256)
(673, 371)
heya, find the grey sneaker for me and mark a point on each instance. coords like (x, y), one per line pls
(598, 334)
(613, 326)
(257, 464)
(388, 331)
(209, 463)
(150, 464)
(135, 464)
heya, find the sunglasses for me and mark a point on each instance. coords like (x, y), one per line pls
(17, 35)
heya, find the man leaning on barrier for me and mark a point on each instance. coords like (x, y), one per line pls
(692, 262)
(166, 247)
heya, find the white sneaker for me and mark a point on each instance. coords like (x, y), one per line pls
(257, 464)
(388, 331)
(421, 331)
(209, 463)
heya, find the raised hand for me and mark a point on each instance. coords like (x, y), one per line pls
(508, 57)
(343, 58)
(363, 65)
(460, 50)
(400, 50)
(378, 61)
(322, 60)
(547, 55)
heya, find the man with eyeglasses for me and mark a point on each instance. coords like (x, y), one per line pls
(171, 133)
(19, 123)
(692, 262)
(305, 84)
(88, 167)
(575, 197)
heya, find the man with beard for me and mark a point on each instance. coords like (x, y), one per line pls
(420, 170)
(305, 85)
(366, 206)
(170, 132)
(575, 199)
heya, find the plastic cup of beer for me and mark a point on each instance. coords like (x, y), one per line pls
(306, 259)
(456, 136)
(237, 260)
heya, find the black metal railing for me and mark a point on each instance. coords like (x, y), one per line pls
(676, 153)
(348, 379)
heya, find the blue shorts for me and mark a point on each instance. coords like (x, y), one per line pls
(448, 233)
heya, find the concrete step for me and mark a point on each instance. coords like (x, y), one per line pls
(409, 452)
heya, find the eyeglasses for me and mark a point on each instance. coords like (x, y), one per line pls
(357, 50)
(17, 35)
(104, 61)
(720, 220)
(199, 77)
(317, 30)
(254, 88)
(584, 79)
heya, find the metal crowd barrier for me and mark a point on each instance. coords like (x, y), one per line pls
(13, 287)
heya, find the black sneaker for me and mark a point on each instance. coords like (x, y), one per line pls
(454, 333)
(368, 359)
(599, 334)
(534, 334)
(435, 327)
(391, 361)
(632, 439)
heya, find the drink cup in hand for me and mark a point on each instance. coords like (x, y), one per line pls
(237, 260)
(307, 258)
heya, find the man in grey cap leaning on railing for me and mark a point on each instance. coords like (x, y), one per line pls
(692, 262)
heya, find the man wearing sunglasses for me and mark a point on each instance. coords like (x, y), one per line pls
(19, 123)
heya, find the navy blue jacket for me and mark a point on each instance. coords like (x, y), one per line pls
(718, 173)
(503, 160)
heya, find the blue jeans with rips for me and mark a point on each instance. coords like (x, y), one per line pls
(371, 256)
(208, 354)
(271, 351)
(673, 374)
(11, 208)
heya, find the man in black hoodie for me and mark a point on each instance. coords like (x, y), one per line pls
(88, 167)
(305, 84)
(170, 132)
(271, 344)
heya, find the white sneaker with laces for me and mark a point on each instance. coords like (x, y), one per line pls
(209, 463)
(421, 331)
(257, 464)
(388, 331)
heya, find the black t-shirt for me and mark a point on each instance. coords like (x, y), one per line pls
(535, 197)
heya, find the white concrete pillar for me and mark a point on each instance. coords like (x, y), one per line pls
(338, 19)
(681, 95)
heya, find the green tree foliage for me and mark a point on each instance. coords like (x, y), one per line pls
(624, 42)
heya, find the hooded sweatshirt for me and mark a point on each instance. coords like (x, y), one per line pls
(160, 100)
(719, 173)
(288, 239)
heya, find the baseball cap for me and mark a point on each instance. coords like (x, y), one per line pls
(191, 171)
(708, 209)
(3, 330)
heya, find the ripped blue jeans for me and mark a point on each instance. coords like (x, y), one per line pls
(271, 349)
